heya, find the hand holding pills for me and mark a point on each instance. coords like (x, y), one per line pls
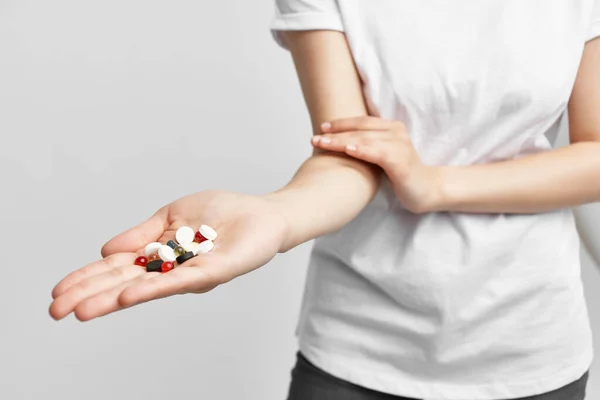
(175, 251)
(160, 257)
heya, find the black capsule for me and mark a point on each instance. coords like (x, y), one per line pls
(172, 244)
(184, 257)
(154, 266)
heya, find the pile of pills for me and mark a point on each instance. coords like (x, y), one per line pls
(160, 257)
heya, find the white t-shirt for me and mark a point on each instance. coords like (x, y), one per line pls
(451, 305)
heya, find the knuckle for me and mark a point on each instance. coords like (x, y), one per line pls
(365, 140)
(83, 286)
(118, 273)
(109, 260)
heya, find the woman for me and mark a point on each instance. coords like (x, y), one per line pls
(446, 264)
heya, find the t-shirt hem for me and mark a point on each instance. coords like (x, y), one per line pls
(594, 31)
(395, 385)
(303, 22)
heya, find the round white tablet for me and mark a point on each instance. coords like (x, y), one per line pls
(152, 248)
(207, 232)
(185, 235)
(191, 247)
(204, 247)
(166, 253)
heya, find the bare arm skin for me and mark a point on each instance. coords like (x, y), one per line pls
(584, 121)
(329, 189)
(327, 192)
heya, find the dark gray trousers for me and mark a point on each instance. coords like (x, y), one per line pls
(312, 383)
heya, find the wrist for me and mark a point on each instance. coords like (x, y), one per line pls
(438, 199)
(278, 201)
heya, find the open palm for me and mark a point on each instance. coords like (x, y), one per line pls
(250, 233)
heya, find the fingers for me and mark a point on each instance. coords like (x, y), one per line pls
(340, 141)
(139, 236)
(362, 123)
(107, 301)
(71, 298)
(180, 280)
(100, 288)
(90, 270)
(374, 147)
(372, 154)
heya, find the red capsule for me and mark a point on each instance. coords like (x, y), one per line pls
(141, 261)
(198, 238)
(166, 266)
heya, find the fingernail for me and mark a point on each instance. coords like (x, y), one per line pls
(325, 140)
(325, 126)
(316, 139)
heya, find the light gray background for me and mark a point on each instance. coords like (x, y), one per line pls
(109, 110)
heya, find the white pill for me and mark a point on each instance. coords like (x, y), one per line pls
(185, 235)
(191, 247)
(152, 248)
(204, 247)
(166, 253)
(207, 232)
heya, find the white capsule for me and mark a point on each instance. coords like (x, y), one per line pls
(207, 232)
(185, 235)
(166, 253)
(204, 247)
(191, 247)
(152, 248)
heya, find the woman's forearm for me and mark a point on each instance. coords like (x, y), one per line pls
(328, 191)
(564, 177)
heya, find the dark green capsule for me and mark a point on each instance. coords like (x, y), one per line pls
(184, 257)
(154, 266)
(172, 244)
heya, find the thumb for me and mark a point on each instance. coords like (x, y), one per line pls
(139, 236)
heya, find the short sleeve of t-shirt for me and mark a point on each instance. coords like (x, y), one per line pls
(594, 29)
(299, 15)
